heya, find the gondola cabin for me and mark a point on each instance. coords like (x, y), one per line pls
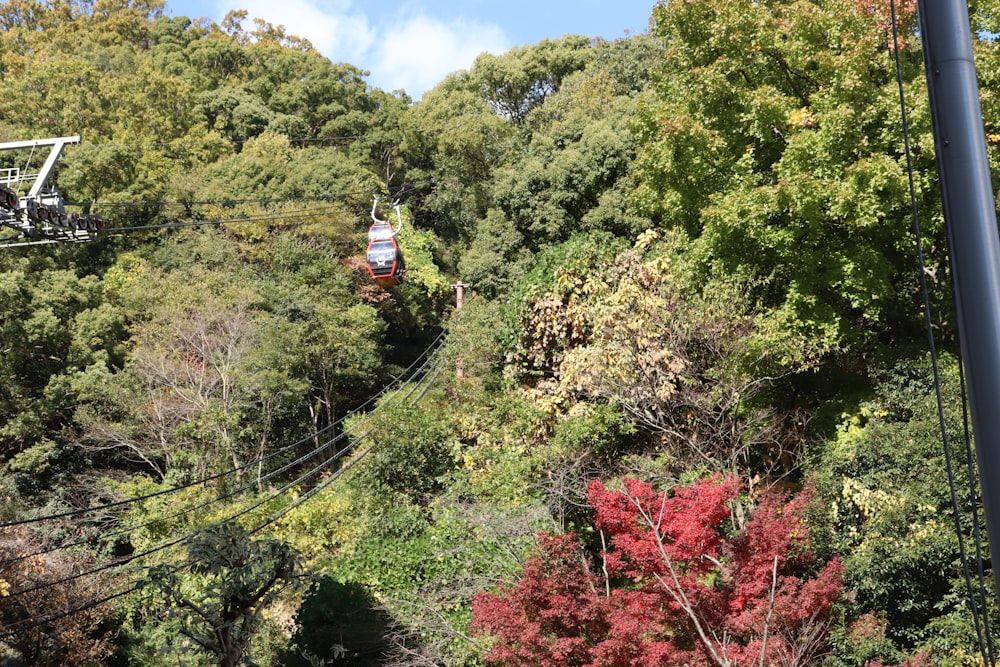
(385, 259)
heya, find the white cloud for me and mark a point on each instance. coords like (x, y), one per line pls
(335, 31)
(421, 51)
(410, 50)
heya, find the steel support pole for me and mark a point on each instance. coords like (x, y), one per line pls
(970, 218)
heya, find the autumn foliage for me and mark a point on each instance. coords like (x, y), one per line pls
(676, 585)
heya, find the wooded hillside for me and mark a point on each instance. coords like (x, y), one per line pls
(685, 416)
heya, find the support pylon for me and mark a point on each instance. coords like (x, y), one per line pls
(459, 288)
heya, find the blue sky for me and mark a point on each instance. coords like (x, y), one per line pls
(413, 44)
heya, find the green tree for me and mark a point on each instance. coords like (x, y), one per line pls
(411, 453)
(61, 331)
(882, 474)
(575, 171)
(453, 142)
(520, 80)
(497, 258)
(772, 144)
(195, 389)
(235, 113)
(232, 580)
(335, 345)
(341, 622)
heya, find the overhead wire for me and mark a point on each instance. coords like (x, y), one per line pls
(978, 593)
(41, 619)
(428, 376)
(426, 379)
(435, 345)
(221, 140)
(302, 459)
(223, 202)
(20, 244)
(270, 217)
(426, 382)
(290, 216)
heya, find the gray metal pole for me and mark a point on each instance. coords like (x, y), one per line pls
(970, 217)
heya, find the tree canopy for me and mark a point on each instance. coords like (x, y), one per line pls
(683, 416)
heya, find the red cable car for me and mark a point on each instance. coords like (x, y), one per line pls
(385, 259)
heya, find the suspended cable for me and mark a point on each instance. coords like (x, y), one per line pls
(976, 598)
(974, 500)
(434, 377)
(274, 494)
(222, 202)
(4, 246)
(290, 216)
(427, 381)
(36, 621)
(427, 378)
(286, 215)
(436, 344)
(234, 142)
(305, 476)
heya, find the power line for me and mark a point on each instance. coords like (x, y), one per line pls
(38, 620)
(222, 202)
(270, 217)
(209, 142)
(437, 344)
(429, 377)
(274, 494)
(187, 204)
(976, 593)
(429, 380)
(290, 216)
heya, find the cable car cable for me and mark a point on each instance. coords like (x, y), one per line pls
(221, 202)
(290, 216)
(34, 621)
(39, 620)
(438, 342)
(287, 215)
(433, 375)
(281, 215)
(426, 380)
(274, 495)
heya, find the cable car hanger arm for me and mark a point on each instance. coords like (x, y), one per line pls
(399, 217)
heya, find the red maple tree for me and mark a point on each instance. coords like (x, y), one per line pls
(678, 585)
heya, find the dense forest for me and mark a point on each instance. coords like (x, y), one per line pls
(686, 414)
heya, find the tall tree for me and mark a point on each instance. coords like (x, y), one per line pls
(774, 145)
(233, 580)
(520, 80)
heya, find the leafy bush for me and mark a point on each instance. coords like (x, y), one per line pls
(890, 511)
